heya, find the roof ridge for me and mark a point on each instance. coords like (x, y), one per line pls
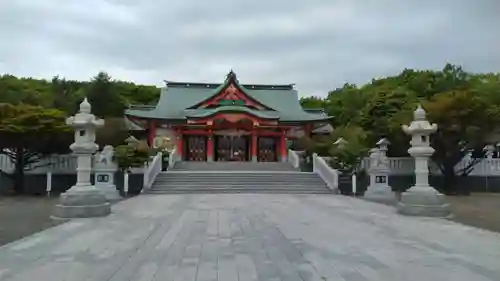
(175, 84)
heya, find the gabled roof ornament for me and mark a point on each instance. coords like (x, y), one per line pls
(231, 75)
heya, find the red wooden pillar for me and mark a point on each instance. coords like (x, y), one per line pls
(210, 147)
(282, 146)
(179, 149)
(151, 133)
(253, 147)
(308, 130)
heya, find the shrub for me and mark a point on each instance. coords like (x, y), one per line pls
(131, 156)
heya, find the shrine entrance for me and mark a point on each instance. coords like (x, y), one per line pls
(267, 149)
(196, 148)
(231, 148)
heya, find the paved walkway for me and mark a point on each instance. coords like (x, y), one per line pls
(254, 237)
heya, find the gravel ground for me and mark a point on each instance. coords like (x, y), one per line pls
(23, 216)
(480, 210)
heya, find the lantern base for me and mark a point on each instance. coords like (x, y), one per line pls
(380, 194)
(423, 203)
(110, 192)
(79, 202)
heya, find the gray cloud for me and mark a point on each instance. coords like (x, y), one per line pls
(317, 44)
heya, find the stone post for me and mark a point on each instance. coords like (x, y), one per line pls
(422, 199)
(489, 151)
(104, 173)
(379, 189)
(83, 200)
(341, 144)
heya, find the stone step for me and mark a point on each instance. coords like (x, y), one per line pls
(228, 176)
(238, 185)
(230, 183)
(244, 181)
(232, 166)
(267, 178)
(225, 169)
(237, 173)
(238, 190)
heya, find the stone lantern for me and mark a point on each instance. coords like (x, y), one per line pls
(422, 199)
(489, 151)
(83, 200)
(379, 170)
(340, 143)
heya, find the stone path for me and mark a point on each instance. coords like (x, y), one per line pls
(254, 237)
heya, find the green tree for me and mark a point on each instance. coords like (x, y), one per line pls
(344, 105)
(66, 94)
(28, 134)
(465, 106)
(114, 132)
(132, 155)
(102, 94)
(25, 90)
(465, 122)
(311, 102)
(347, 157)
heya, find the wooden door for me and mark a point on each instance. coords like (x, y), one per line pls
(222, 148)
(196, 148)
(267, 149)
(231, 148)
(240, 148)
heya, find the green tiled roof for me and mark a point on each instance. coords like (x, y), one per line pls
(199, 113)
(177, 98)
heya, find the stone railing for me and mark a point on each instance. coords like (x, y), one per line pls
(151, 170)
(66, 164)
(398, 165)
(58, 164)
(327, 173)
(173, 157)
(293, 158)
(406, 166)
(487, 167)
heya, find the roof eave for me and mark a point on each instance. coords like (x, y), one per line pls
(231, 111)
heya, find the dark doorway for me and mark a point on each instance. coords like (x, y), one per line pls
(267, 149)
(195, 148)
(231, 148)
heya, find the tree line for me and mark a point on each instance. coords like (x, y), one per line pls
(108, 97)
(465, 105)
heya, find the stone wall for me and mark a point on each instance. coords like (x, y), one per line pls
(403, 182)
(36, 184)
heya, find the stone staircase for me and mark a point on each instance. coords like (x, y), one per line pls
(232, 166)
(237, 177)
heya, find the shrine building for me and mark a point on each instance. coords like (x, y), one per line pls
(228, 121)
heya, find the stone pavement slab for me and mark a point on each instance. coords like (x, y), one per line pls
(244, 237)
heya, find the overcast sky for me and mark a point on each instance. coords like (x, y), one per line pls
(317, 44)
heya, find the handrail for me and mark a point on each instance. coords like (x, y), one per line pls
(151, 170)
(329, 175)
(293, 158)
(172, 158)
